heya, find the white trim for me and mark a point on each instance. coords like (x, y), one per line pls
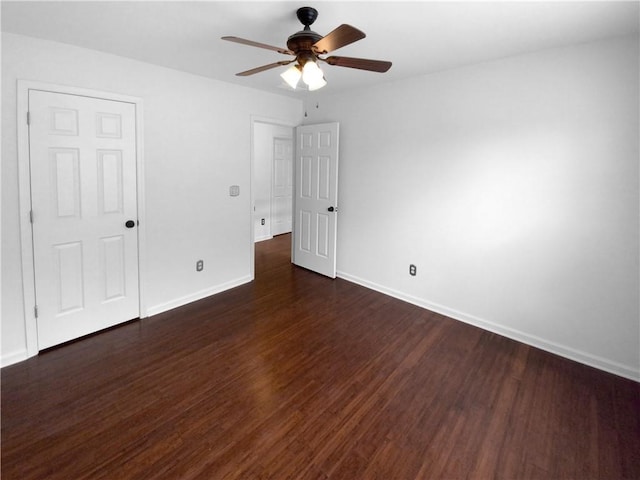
(142, 219)
(14, 357)
(263, 238)
(194, 297)
(585, 358)
(26, 239)
(24, 185)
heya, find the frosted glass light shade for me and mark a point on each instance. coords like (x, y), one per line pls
(317, 84)
(311, 73)
(292, 76)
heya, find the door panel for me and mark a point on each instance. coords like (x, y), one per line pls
(69, 277)
(315, 231)
(65, 170)
(324, 177)
(83, 184)
(113, 267)
(324, 228)
(110, 182)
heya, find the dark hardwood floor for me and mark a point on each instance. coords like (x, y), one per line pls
(296, 376)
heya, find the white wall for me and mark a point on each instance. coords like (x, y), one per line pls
(513, 186)
(197, 141)
(263, 137)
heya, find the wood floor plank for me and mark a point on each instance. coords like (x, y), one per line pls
(296, 376)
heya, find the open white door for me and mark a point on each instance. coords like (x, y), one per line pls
(316, 198)
(84, 210)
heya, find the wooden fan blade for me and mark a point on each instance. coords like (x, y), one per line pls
(265, 67)
(360, 63)
(251, 43)
(341, 36)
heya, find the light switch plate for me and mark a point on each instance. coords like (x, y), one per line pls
(234, 190)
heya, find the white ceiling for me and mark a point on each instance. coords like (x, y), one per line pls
(418, 37)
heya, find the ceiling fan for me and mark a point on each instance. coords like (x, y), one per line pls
(307, 47)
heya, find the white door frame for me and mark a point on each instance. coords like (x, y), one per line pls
(24, 185)
(271, 121)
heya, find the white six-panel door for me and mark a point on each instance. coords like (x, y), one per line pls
(316, 185)
(282, 186)
(83, 184)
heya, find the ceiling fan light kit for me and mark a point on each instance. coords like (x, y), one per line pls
(317, 84)
(307, 46)
(292, 76)
(311, 74)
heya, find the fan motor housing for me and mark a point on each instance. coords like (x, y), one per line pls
(302, 41)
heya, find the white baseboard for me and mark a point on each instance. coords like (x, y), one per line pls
(179, 302)
(13, 357)
(600, 363)
(19, 356)
(262, 239)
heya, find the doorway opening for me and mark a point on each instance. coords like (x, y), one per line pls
(272, 147)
